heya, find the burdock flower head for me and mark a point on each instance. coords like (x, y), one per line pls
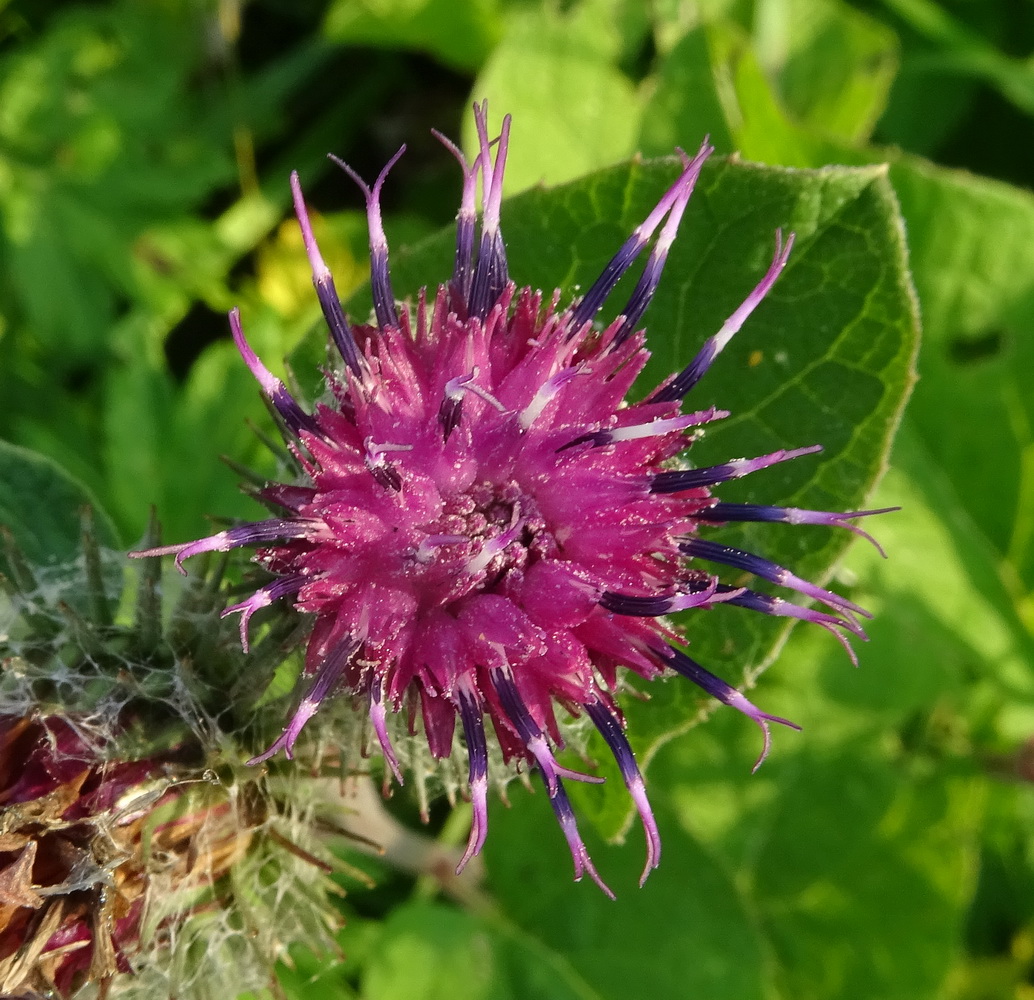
(482, 526)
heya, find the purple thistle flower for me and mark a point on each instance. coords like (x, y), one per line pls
(484, 528)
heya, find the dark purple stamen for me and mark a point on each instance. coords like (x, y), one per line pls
(725, 693)
(378, 465)
(596, 438)
(323, 282)
(651, 276)
(466, 221)
(655, 428)
(579, 853)
(530, 734)
(380, 279)
(386, 474)
(639, 607)
(753, 601)
(696, 369)
(680, 191)
(276, 392)
(694, 594)
(689, 479)
(610, 729)
(263, 598)
(490, 271)
(514, 706)
(701, 548)
(720, 513)
(641, 296)
(449, 414)
(769, 605)
(327, 677)
(256, 533)
(477, 756)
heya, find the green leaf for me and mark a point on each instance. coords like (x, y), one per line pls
(433, 952)
(459, 34)
(716, 81)
(573, 108)
(939, 600)
(671, 117)
(969, 239)
(41, 505)
(754, 116)
(834, 64)
(854, 854)
(966, 52)
(972, 243)
(844, 836)
(826, 359)
(84, 174)
(163, 445)
(686, 933)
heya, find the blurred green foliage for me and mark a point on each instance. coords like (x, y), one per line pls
(888, 851)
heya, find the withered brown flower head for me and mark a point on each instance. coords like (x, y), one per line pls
(85, 840)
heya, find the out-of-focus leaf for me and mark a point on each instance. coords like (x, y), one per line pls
(41, 505)
(671, 118)
(754, 113)
(926, 104)
(459, 34)
(686, 933)
(965, 52)
(790, 99)
(74, 193)
(849, 846)
(573, 107)
(433, 952)
(306, 973)
(954, 55)
(856, 855)
(1002, 913)
(834, 64)
(163, 448)
(940, 603)
(972, 244)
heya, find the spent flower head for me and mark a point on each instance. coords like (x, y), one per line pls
(137, 857)
(85, 839)
(483, 529)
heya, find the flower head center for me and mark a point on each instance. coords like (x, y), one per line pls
(483, 534)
